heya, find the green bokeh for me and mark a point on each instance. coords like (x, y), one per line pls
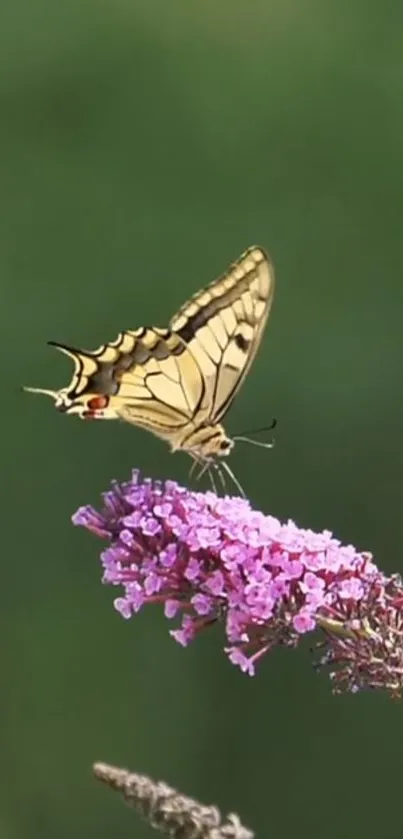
(144, 145)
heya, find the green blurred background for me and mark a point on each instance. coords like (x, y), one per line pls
(144, 145)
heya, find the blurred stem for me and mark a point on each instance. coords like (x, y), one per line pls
(167, 810)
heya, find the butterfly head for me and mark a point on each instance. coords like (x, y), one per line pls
(208, 442)
(225, 445)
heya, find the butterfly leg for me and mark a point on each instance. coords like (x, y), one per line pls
(205, 466)
(221, 476)
(233, 478)
(212, 481)
(196, 462)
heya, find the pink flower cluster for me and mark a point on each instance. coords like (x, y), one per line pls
(207, 558)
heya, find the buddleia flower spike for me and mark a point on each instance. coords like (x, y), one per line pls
(269, 583)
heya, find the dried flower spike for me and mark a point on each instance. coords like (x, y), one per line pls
(167, 810)
(207, 558)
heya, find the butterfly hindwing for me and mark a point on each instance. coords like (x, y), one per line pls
(163, 384)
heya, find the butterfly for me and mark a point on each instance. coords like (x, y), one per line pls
(179, 382)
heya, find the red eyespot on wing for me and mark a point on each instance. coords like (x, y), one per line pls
(97, 403)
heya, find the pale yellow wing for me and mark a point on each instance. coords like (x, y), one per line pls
(162, 385)
(146, 376)
(222, 327)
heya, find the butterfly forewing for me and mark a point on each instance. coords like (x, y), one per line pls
(222, 327)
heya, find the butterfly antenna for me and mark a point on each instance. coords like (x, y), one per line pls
(257, 443)
(243, 438)
(262, 429)
(233, 478)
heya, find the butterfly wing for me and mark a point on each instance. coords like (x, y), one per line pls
(222, 327)
(161, 386)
